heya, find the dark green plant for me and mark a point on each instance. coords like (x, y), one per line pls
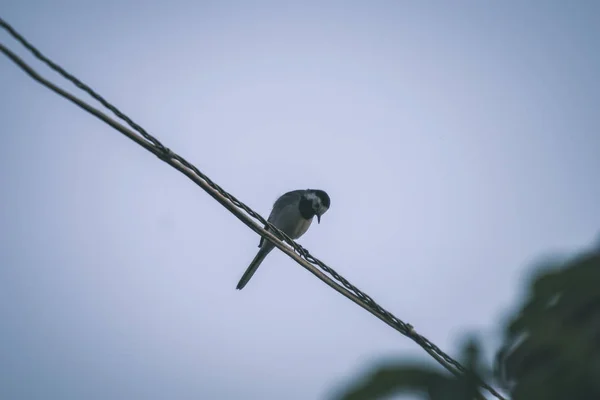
(551, 348)
(431, 383)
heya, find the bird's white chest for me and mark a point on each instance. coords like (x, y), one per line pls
(301, 228)
(291, 222)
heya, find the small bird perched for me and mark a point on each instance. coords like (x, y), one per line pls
(292, 213)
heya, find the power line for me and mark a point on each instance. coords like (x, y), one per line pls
(274, 235)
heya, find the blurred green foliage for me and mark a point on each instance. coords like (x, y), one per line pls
(432, 383)
(551, 347)
(550, 351)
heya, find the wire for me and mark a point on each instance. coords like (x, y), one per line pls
(274, 235)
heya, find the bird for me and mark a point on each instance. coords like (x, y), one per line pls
(292, 213)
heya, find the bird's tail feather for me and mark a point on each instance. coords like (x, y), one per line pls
(260, 256)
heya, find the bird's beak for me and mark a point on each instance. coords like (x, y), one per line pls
(318, 219)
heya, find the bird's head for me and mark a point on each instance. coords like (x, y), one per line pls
(318, 200)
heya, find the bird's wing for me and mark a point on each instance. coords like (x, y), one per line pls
(283, 201)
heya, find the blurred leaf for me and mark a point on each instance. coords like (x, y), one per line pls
(551, 349)
(433, 384)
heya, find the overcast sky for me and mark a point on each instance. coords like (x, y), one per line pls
(458, 141)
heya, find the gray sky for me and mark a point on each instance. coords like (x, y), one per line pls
(458, 142)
